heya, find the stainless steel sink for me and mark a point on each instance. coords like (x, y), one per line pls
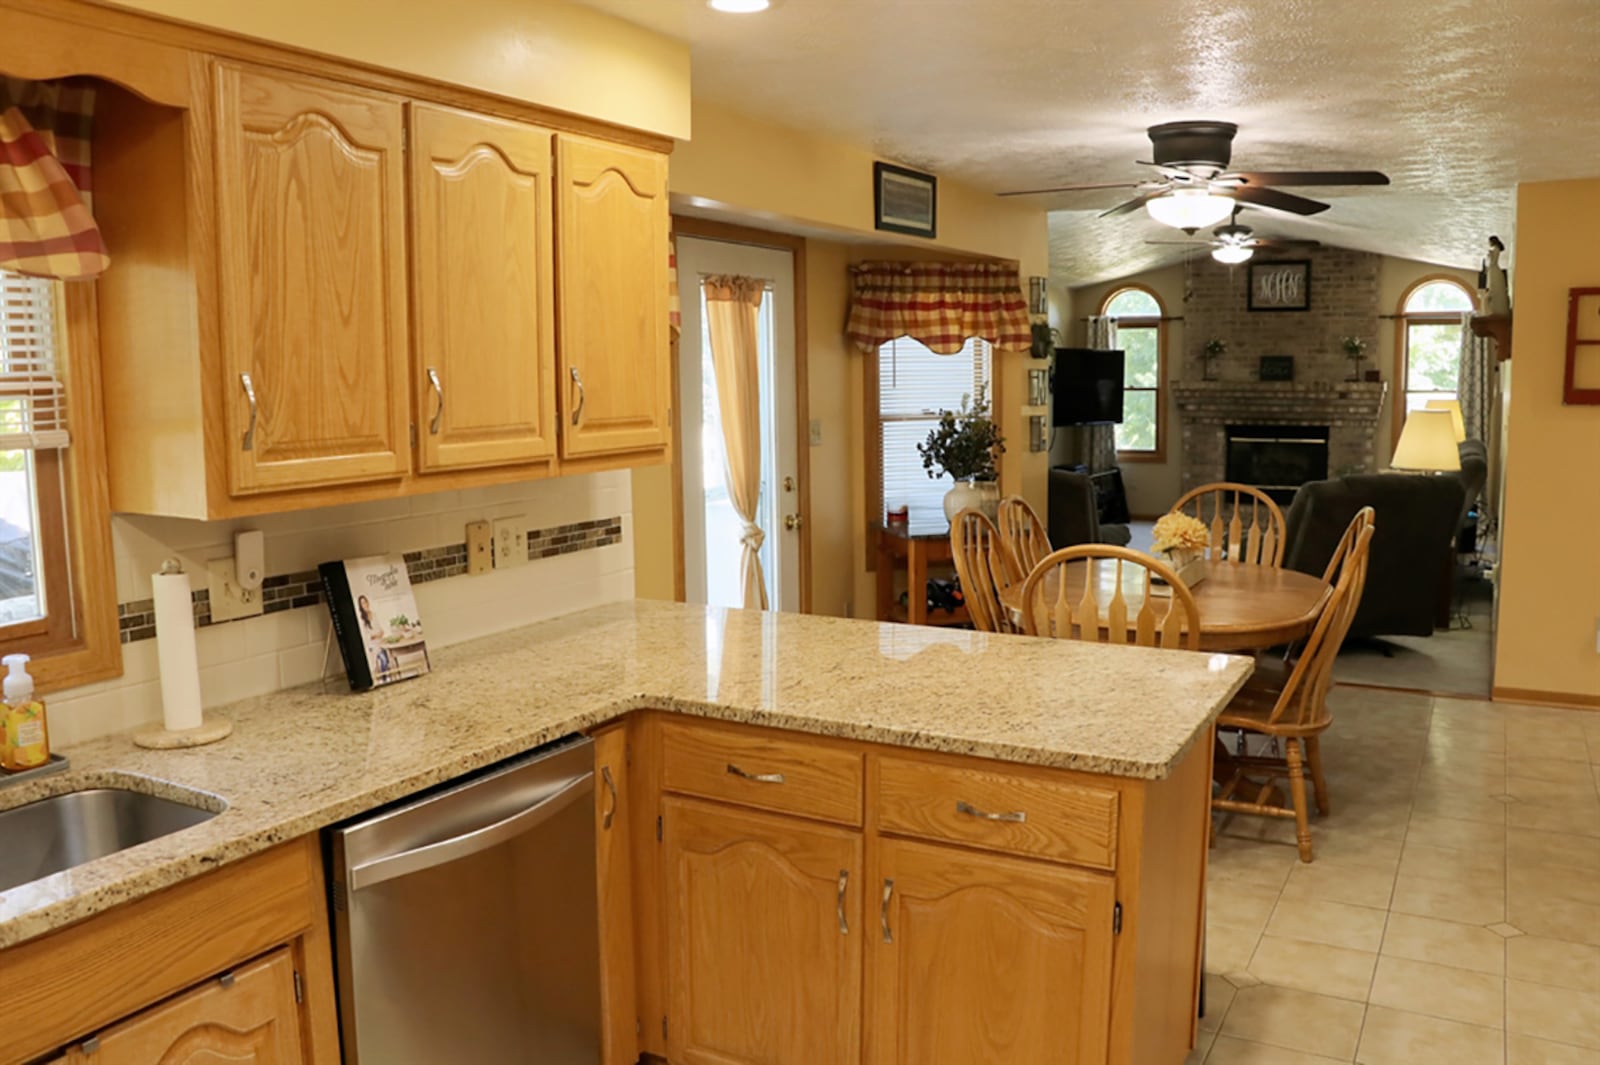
(57, 833)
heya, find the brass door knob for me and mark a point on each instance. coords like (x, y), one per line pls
(792, 522)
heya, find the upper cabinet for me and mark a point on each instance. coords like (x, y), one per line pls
(612, 224)
(310, 211)
(483, 292)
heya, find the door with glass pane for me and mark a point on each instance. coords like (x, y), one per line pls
(711, 526)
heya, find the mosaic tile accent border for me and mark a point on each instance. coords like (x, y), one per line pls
(289, 591)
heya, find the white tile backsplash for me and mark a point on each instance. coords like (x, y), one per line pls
(250, 657)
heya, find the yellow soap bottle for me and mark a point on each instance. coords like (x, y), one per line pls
(26, 738)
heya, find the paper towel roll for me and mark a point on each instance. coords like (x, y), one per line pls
(180, 666)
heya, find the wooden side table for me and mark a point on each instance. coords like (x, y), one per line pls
(912, 548)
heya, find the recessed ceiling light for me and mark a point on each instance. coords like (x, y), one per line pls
(739, 7)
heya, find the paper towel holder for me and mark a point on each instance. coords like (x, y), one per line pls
(212, 727)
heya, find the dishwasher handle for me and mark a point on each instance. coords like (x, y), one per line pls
(417, 859)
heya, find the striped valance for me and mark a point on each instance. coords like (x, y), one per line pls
(938, 304)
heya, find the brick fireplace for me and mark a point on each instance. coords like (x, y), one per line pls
(1207, 409)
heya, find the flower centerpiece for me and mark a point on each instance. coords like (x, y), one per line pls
(1183, 540)
(1214, 349)
(965, 445)
(1355, 349)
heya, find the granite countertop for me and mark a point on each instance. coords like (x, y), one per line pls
(304, 758)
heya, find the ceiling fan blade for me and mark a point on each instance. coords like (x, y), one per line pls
(1261, 178)
(1282, 201)
(1075, 188)
(1187, 243)
(1275, 242)
(1129, 206)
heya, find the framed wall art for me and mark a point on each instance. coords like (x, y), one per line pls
(1281, 286)
(905, 201)
(1581, 376)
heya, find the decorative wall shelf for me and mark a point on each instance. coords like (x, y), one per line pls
(1496, 327)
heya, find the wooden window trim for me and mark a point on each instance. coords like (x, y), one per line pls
(1159, 453)
(1402, 340)
(81, 559)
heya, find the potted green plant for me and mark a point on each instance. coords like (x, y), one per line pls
(965, 445)
(1355, 349)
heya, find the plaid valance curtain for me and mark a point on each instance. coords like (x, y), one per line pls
(940, 305)
(46, 228)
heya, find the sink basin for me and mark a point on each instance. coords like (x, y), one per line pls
(57, 833)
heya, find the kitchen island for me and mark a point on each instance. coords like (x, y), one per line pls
(889, 730)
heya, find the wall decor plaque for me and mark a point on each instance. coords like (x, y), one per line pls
(1280, 286)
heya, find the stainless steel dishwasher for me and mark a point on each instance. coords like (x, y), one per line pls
(465, 921)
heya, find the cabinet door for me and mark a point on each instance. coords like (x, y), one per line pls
(253, 1021)
(310, 207)
(611, 225)
(763, 938)
(977, 957)
(484, 289)
(614, 874)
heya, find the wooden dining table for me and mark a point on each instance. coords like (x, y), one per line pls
(1242, 607)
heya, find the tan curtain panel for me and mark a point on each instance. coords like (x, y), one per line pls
(674, 307)
(940, 305)
(46, 228)
(733, 308)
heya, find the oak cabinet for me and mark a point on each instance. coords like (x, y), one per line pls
(310, 210)
(483, 289)
(614, 875)
(987, 958)
(611, 225)
(246, 1017)
(764, 938)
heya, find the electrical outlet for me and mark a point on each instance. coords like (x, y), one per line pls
(510, 541)
(229, 602)
(480, 548)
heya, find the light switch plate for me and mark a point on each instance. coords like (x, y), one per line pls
(229, 601)
(480, 547)
(1038, 438)
(815, 431)
(510, 541)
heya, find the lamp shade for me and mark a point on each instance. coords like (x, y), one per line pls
(1189, 208)
(1232, 254)
(1428, 442)
(1454, 407)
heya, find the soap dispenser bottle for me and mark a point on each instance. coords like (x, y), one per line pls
(26, 739)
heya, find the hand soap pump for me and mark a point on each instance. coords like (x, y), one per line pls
(25, 743)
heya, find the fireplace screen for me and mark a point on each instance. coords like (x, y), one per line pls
(1278, 459)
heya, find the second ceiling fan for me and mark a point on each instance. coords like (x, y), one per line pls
(1193, 187)
(1235, 243)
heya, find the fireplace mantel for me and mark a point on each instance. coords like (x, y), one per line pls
(1350, 409)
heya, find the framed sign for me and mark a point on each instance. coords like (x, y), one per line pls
(1280, 286)
(1581, 378)
(1276, 368)
(904, 201)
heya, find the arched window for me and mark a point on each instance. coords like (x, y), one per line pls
(1140, 330)
(1428, 348)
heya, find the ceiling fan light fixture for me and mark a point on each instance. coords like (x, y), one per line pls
(1189, 208)
(1232, 254)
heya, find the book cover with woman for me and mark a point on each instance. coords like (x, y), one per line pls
(375, 620)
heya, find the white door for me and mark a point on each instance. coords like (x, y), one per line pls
(710, 526)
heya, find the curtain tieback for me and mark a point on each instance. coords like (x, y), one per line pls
(752, 537)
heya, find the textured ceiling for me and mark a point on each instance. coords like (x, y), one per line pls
(1457, 100)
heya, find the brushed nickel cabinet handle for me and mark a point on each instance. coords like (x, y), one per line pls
(844, 882)
(438, 391)
(249, 441)
(611, 788)
(759, 778)
(583, 396)
(883, 910)
(1015, 817)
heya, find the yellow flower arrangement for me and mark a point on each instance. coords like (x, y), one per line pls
(1174, 532)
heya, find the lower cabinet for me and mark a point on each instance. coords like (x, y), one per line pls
(764, 938)
(977, 957)
(247, 1017)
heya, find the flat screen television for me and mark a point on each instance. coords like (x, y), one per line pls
(1088, 387)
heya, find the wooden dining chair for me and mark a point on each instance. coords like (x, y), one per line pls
(1023, 535)
(983, 568)
(1056, 607)
(1245, 524)
(1294, 707)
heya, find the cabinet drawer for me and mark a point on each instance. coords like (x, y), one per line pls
(756, 767)
(1021, 814)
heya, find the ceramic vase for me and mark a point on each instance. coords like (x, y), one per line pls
(978, 495)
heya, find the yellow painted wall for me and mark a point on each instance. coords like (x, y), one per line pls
(546, 52)
(1550, 571)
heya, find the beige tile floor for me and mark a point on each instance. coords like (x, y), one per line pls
(1452, 915)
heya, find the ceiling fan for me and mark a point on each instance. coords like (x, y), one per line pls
(1194, 188)
(1234, 243)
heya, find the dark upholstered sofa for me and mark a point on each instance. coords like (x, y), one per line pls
(1074, 515)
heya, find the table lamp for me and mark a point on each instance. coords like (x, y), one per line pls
(1454, 407)
(1427, 443)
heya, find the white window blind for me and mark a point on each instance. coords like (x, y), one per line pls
(33, 399)
(914, 384)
